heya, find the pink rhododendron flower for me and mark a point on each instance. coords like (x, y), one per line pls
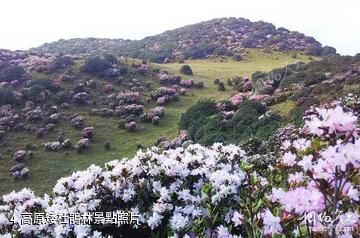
(289, 159)
(271, 223)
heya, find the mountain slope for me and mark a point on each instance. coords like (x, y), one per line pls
(21, 134)
(223, 36)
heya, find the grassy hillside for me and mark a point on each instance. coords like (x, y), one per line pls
(254, 60)
(47, 167)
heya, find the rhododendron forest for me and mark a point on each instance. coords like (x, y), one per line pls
(309, 190)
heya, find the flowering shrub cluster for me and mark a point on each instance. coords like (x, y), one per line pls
(121, 104)
(142, 68)
(19, 155)
(88, 132)
(323, 175)
(165, 78)
(215, 191)
(163, 95)
(132, 109)
(240, 97)
(130, 126)
(129, 97)
(109, 88)
(34, 115)
(153, 115)
(19, 171)
(91, 83)
(83, 144)
(189, 83)
(241, 84)
(77, 121)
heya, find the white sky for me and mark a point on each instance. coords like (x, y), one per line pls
(29, 23)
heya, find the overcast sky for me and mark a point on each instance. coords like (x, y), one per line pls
(29, 23)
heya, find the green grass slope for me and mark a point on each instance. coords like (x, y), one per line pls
(47, 167)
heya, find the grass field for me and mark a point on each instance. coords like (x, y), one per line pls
(283, 108)
(47, 167)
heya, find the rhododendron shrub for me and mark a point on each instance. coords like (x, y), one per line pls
(163, 95)
(165, 78)
(171, 190)
(322, 193)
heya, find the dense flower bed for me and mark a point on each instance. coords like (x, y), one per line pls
(311, 191)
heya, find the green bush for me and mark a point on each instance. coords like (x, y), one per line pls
(7, 97)
(34, 92)
(94, 65)
(45, 84)
(11, 73)
(221, 51)
(305, 92)
(196, 115)
(221, 86)
(237, 57)
(206, 126)
(200, 50)
(296, 116)
(314, 79)
(212, 131)
(123, 70)
(186, 69)
(111, 59)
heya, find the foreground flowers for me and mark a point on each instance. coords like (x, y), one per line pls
(330, 159)
(213, 192)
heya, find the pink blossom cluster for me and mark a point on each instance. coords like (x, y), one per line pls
(321, 168)
(170, 91)
(19, 155)
(162, 100)
(14, 83)
(131, 126)
(88, 132)
(188, 83)
(109, 88)
(165, 78)
(331, 121)
(143, 68)
(162, 91)
(238, 98)
(264, 98)
(164, 95)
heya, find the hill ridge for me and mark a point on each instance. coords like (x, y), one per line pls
(219, 37)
